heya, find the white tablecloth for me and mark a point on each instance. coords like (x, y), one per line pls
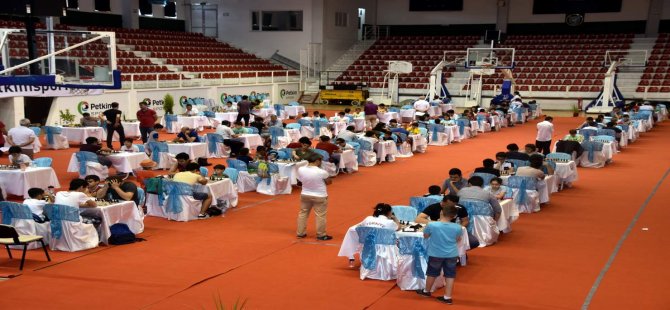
(544, 187)
(348, 160)
(194, 150)
(566, 172)
(126, 162)
(290, 170)
(194, 121)
(359, 123)
(384, 148)
(453, 133)
(264, 112)
(338, 126)
(446, 107)
(130, 130)
(222, 190)
(508, 216)
(17, 182)
(434, 111)
(125, 212)
(609, 149)
(294, 134)
(294, 110)
(350, 245)
(418, 141)
(408, 113)
(251, 140)
(79, 134)
(386, 117)
(226, 116)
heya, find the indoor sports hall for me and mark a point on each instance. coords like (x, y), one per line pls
(225, 154)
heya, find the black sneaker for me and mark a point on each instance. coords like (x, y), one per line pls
(324, 238)
(301, 236)
(422, 293)
(203, 216)
(446, 301)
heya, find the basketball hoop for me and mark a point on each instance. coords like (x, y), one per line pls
(486, 69)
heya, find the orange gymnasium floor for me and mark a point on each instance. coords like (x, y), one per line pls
(551, 260)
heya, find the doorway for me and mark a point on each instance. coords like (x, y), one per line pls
(361, 22)
(204, 19)
(36, 109)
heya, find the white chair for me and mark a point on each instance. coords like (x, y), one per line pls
(55, 139)
(246, 182)
(216, 147)
(410, 276)
(161, 155)
(379, 254)
(89, 165)
(481, 222)
(593, 156)
(437, 135)
(171, 123)
(68, 233)
(366, 155)
(20, 217)
(274, 184)
(279, 138)
(524, 194)
(180, 205)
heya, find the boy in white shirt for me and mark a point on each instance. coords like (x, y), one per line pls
(38, 198)
(129, 147)
(76, 196)
(17, 158)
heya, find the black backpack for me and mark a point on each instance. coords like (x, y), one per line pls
(121, 234)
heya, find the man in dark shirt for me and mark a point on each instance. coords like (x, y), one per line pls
(244, 110)
(513, 152)
(617, 130)
(112, 118)
(488, 167)
(370, 110)
(120, 190)
(187, 135)
(93, 145)
(258, 124)
(432, 213)
(182, 160)
(332, 149)
(454, 183)
(147, 119)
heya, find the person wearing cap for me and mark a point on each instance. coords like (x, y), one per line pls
(147, 171)
(370, 109)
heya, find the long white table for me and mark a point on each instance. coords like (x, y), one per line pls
(251, 140)
(290, 170)
(130, 130)
(79, 134)
(123, 162)
(194, 121)
(221, 190)
(18, 182)
(194, 149)
(348, 160)
(125, 212)
(226, 116)
(294, 110)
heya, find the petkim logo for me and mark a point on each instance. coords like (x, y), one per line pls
(182, 101)
(225, 97)
(147, 101)
(285, 93)
(82, 107)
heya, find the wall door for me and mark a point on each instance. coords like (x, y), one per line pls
(204, 19)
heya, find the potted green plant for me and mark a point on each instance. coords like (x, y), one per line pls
(168, 104)
(575, 110)
(66, 117)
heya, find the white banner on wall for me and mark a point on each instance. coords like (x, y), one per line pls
(285, 93)
(93, 105)
(155, 98)
(45, 91)
(261, 92)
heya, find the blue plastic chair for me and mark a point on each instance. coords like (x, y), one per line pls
(588, 133)
(237, 164)
(43, 162)
(420, 203)
(304, 122)
(140, 147)
(407, 107)
(252, 130)
(405, 213)
(284, 154)
(518, 163)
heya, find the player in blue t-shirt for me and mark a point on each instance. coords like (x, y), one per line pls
(443, 237)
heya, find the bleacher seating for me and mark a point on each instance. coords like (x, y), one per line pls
(656, 76)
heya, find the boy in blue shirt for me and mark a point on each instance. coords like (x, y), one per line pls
(443, 237)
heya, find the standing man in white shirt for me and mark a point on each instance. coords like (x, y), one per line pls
(23, 137)
(313, 196)
(545, 130)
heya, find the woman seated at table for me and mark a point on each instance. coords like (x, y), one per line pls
(17, 158)
(129, 147)
(187, 135)
(382, 217)
(496, 188)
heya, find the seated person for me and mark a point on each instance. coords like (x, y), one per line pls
(305, 150)
(513, 152)
(17, 158)
(617, 130)
(343, 145)
(370, 136)
(95, 188)
(190, 110)
(434, 191)
(218, 171)
(229, 107)
(316, 115)
(333, 150)
(341, 117)
(129, 147)
(379, 129)
(393, 123)
(38, 199)
(275, 122)
(305, 116)
(488, 167)
(502, 164)
(238, 128)
(229, 137)
(88, 121)
(146, 171)
(432, 212)
(191, 175)
(75, 196)
(382, 108)
(261, 153)
(244, 156)
(531, 149)
(358, 113)
(93, 145)
(496, 188)
(534, 170)
(153, 137)
(454, 183)
(120, 190)
(382, 217)
(348, 134)
(258, 124)
(187, 135)
(183, 159)
(413, 129)
(574, 136)
(475, 192)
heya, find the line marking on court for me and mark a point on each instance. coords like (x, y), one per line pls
(619, 244)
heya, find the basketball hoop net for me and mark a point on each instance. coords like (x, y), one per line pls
(486, 69)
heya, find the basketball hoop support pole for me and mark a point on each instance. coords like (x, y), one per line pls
(609, 96)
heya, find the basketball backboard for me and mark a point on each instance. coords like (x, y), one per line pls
(82, 59)
(489, 58)
(626, 58)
